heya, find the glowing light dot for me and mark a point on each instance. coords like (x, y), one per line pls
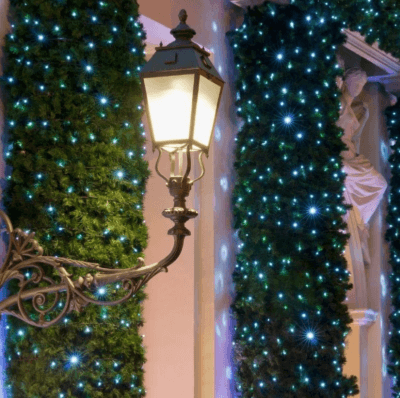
(74, 359)
(279, 56)
(102, 291)
(313, 210)
(40, 37)
(103, 100)
(287, 120)
(89, 68)
(310, 335)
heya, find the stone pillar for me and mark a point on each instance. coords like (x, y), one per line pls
(357, 348)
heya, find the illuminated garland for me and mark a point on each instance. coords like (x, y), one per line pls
(291, 277)
(393, 237)
(279, 200)
(77, 179)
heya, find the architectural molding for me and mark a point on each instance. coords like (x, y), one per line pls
(363, 317)
(252, 3)
(391, 82)
(356, 43)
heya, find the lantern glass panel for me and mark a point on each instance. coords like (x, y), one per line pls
(170, 107)
(206, 110)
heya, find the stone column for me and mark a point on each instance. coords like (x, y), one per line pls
(357, 348)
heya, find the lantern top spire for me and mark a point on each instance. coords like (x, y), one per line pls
(183, 31)
(182, 16)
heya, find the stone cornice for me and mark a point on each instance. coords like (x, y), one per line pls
(363, 317)
(391, 82)
(356, 43)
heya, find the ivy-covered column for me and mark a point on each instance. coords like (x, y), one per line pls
(393, 237)
(77, 178)
(291, 277)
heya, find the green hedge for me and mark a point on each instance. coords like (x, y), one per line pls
(290, 276)
(392, 236)
(77, 178)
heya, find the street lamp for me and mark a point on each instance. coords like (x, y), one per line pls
(182, 91)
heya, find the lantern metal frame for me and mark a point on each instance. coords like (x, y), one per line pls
(196, 72)
(46, 290)
(181, 57)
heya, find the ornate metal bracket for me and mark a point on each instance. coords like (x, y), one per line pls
(47, 291)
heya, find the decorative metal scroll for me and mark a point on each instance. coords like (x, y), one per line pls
(47, 291)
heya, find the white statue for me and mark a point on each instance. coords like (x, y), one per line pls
(364, 185)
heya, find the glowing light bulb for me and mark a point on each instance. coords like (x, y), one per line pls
(313, 210)
(102, 291)
(74, 359)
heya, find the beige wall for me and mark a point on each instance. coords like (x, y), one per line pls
(187, 323)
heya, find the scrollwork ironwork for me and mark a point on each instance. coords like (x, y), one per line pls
(47, 291)
(44, 298)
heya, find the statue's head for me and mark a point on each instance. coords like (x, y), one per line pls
(355, 80)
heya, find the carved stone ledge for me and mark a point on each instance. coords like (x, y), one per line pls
(252, 3)
(363, 317)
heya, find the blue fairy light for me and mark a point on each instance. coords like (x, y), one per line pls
(74, 359)
(310, 335)
(287, 120)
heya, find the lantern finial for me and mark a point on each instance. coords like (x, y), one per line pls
(183, 16)
(182, 32)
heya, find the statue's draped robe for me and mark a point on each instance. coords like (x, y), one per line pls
(364, 185)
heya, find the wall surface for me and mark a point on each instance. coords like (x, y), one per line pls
(188, 330)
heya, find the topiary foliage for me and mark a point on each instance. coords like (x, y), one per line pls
(392, 236)
(78, 178)
(291, 277)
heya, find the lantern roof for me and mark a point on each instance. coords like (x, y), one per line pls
(180, 55)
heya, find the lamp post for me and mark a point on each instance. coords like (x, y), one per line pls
(182, 91)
